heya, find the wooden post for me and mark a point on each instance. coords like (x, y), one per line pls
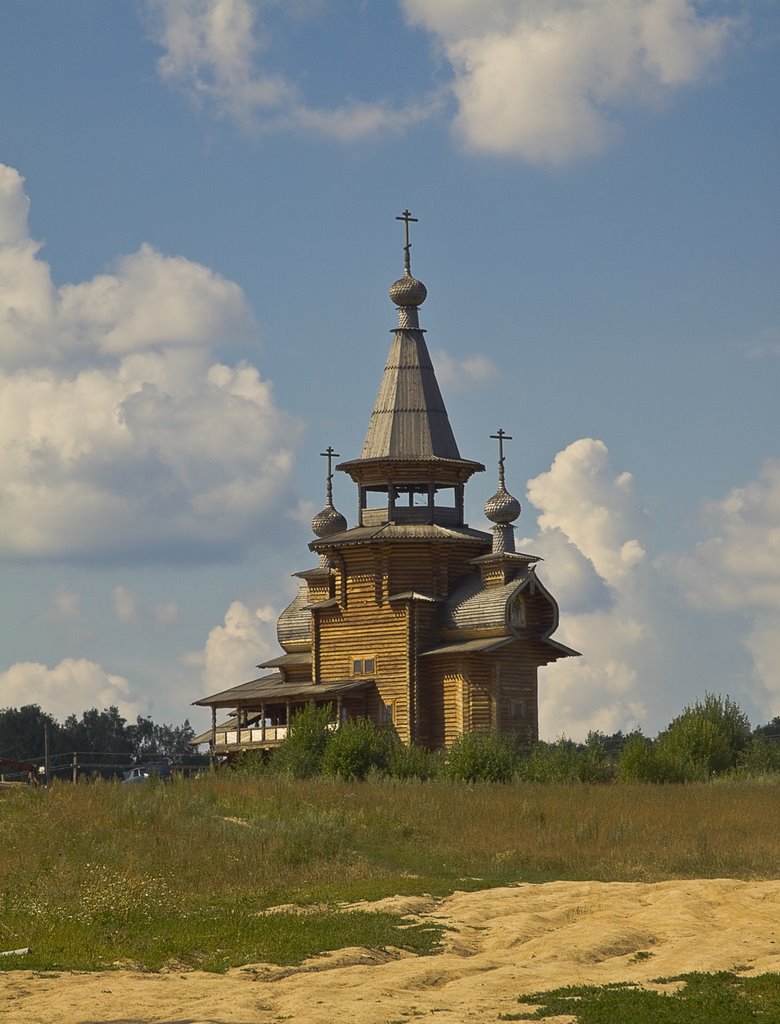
(213, 744)
(339, 702)
(262, 721)
(238, 724)
(46, 751)
(75, 769)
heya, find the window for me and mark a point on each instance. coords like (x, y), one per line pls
(387, 714)
(517, 709)
(517, 613)
(363, 666)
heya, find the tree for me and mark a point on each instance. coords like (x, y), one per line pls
(98, 732)
(22, 733)
(169, 741)
(706, 739)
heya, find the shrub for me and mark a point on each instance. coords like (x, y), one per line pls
(482, 757)
(300, 756)
(594, 763)
(356, 748)
(760, 757)
(413, 762)
(551, 762)
(638, 762)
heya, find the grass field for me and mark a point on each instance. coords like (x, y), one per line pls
(99, 874)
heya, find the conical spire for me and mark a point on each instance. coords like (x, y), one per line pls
(502, 509)
(409, 420)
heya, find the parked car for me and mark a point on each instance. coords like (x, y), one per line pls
(144, 772)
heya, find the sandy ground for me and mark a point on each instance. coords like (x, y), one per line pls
(499, 944)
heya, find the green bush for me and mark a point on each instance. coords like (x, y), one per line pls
(551, 762)
(638, 762)
(594, 763)
(482, 757)
(301, 754)
(413, 762)
(760, 757)
(356, 748)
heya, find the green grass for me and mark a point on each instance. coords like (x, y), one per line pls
(721, 998)
(96, 874)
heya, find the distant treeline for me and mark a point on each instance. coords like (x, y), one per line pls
(97, 737)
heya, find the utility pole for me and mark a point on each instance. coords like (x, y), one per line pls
(46, 752)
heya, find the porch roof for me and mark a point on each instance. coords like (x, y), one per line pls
(272, 688)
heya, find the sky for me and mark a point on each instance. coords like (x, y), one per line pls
(197, 236)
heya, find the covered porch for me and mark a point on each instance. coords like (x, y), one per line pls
(262, 710)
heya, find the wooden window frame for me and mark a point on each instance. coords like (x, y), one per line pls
(362, 671)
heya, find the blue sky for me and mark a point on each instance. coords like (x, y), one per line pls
(197, 234)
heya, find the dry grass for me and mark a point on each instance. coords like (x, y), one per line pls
(93, 874)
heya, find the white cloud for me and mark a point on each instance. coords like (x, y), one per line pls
(219, 53)
(72, 686)
(234, 649)
(737, 570)
(645, 655)
(122, 439)
(454, 374)
(543, 80)
(592, 506)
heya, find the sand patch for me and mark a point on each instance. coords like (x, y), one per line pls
(499, 944)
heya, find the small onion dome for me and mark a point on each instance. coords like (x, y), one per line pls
(502, 507)
(328, 522)
(408, 291)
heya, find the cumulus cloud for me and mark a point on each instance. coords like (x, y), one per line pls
(645, 655)
(69, 688)
(233, 649)
(545, 81)
(471, 371)
(737, 570)
(593, 507)
(218, 53)
(122, 438)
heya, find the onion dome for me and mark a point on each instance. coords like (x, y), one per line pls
(502, 507)
(408, 291)
(328, 522)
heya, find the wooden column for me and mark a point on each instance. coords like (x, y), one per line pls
(262, 721)
(238, 725)
(213, 744)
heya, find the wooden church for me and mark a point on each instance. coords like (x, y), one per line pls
(411, 618)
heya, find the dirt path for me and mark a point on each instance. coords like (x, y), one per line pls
(499, 944)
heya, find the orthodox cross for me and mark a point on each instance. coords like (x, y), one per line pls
(407, 218)
(501, 436)
(330, 454)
